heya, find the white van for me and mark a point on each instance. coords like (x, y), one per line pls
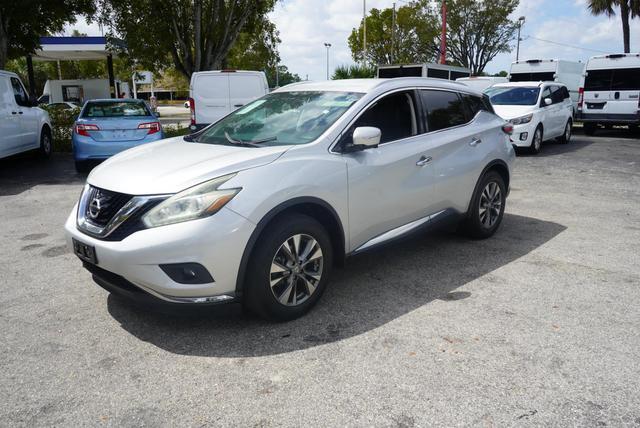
(214, 94)
(480, 83)
(610, 94)
(568, 73)
(23, 126)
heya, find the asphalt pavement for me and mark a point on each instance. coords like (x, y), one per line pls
(537, 326)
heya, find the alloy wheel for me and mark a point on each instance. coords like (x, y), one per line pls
(490, 204)
(46, 144)
(567, 132)
(296, 270)
(537, 140)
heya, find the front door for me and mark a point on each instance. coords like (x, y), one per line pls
(390, 187)
(10, 127)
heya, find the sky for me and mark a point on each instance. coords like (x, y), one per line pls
(305, 25)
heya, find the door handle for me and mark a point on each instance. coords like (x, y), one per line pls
(238, 105)
(424, 160)
(14, 112)
(475, 142)
(19, 112)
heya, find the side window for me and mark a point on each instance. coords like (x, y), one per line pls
(394, 115)
(557, 94)
(19, 93)
(474, 104)
(565, 93)
(443, 109)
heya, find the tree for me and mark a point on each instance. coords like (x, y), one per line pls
(627, 8)
(197, 34)
(479, 30)
(284, 76)
(354, 71)
(410, 41)
(256, 48)
(23, 22)
(501, 73)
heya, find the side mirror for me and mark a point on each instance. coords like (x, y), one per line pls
(364, 137)
(547, 101)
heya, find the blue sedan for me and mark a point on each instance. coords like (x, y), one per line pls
(107, 127)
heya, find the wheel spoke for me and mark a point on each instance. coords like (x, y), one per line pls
(277, 267)
(309, 247)
(284, 297)
(317, 254)
(287, 253)
(310, 286)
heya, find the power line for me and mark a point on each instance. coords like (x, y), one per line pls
(564, 44)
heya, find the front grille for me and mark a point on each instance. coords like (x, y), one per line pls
(102, 205)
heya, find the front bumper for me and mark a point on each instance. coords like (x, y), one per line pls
(519, 132)
(215, 242)
(86, 148)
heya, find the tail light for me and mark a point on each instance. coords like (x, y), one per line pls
(580, 98)
(192, 107)
(153, 127)
(82, 129)
(507, 128)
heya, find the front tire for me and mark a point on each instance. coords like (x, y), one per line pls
(566, 136)
(536, 141)
(487, 207)
(590, 128)
(45, 143)
(289, 268)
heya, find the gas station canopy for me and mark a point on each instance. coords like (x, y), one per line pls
(72, 48)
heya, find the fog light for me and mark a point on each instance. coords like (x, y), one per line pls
(523, 136)
(187, 273)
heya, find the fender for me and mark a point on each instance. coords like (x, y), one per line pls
(270, 216)
(484, 171)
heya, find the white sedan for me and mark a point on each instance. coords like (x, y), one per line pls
(538, 111)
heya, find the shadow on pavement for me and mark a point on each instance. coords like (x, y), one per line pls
(372, 290)
(22, 172)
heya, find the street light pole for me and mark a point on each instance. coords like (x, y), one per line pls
(327, 45)
(520, 23)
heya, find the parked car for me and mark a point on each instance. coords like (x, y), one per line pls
(107, 127)
(538, 111)
(259, 206)
(611, 94)
(64, 106)
(481, 83)
(214, 94)
(568, 73)
(23, 126)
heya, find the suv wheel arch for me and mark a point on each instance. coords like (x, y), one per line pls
(500, 167)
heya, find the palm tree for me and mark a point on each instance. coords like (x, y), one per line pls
(627, 8)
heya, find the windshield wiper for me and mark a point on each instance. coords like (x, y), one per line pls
(255, 143)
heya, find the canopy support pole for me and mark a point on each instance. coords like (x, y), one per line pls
(112, 82)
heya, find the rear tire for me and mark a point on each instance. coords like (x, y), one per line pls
(536, 141)
(590, 128)
(45, 143)
(566, 136)
(487, 207)
(289, 268)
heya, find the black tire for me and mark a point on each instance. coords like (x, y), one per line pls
(536, 145)
(566, 136)
(260, 293)
(46, 143)
(475, 225)
(83, 167)
(590, 128)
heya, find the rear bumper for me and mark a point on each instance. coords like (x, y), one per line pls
(622, 119)
(86, 148)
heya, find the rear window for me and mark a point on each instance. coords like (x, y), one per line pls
(115, 109)
(531, 77)
(474, 104)
(444, 109)
(618, 79)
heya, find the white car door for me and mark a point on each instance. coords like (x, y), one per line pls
(10, 120)
(210, 93)
(244, 88)
(29, 115)
(391, 187)
(548, 114)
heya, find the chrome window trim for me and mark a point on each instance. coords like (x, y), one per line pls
(335, 142)
(122, 215)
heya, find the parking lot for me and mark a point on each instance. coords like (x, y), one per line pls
(539, 325)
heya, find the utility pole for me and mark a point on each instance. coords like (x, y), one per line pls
(393, 35)
(364, 38)
(520, 24)
(327, 45)
(443, 36)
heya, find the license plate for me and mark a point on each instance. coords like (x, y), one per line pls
(85, 252)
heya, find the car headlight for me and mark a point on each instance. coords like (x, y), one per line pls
(521, 120)
(196, 202)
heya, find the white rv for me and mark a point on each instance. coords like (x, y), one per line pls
(610, 93)
(74, 90)
(480, 83)
(549, 70)
(438, 71)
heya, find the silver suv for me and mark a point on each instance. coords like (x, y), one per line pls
(259, 206)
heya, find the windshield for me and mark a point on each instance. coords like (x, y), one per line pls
(280, 118)
(115, 109)
(513, 96)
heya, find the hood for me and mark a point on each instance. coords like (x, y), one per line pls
(511, 112)
(172, 165)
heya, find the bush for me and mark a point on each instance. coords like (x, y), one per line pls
(62, 123)
(175, 131)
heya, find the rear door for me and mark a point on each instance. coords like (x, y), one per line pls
(210, 92)
(10, 127)
(625, 91)
(244, 88)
